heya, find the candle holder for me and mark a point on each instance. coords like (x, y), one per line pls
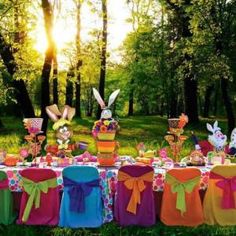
(175, 138)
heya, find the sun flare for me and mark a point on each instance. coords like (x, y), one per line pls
(64, 29)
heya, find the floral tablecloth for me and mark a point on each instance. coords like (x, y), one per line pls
(108, 180)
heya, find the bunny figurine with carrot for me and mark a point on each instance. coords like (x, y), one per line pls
(217, 138)
(62, 124)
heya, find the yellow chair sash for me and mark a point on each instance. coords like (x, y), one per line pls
(34, 190)
(137, 185)
(180, 188)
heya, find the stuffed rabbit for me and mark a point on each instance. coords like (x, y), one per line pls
(62, 120)
(217, 138)
(106, 112)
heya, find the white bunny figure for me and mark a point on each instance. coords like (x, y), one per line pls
(232, 143)
(217, 138)
(106, 112)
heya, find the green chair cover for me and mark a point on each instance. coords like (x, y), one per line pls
(7, 214)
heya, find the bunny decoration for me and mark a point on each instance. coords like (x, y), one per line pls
(104, 131)
(62, 121)
(232, 144)
(217, 138)
(106, 112)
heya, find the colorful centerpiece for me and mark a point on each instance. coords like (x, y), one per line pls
(175, 138)
(104, 131)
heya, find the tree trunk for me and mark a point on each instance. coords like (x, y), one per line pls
(103, 54)
(1, 124)
(69, 88)
(47, 66)
(55, 81)
(21, 93)
(131, 99)
(79, 62)
(228, 105)
(207, 101)
(190, 99)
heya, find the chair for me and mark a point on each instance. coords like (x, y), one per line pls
(181, 203)
(134, 200)
(220, 198)
(81, 204)
(7, 214)
(40, 199)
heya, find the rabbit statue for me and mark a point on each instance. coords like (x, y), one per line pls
(217, 138)
(62, 121)
(104, 131)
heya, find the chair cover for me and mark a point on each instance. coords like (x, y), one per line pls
(134, 202)
(181, 203)
(220, 198)
(7, 214)
(81, 204)
(40, 199)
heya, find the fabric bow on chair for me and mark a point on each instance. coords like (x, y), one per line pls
(228, 185)
(137, 185)
(180, 188)
(34, 190)
(78, 192)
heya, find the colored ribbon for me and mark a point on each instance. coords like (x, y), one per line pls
(180, 188)
(4, 184)
(78, 191)
(137, 185)
(228, 185)
(34, 190)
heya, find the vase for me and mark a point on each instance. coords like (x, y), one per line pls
(106, 159)
(173, 122)
(106, 146)
(109, 135)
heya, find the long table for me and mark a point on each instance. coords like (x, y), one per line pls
(108, 180)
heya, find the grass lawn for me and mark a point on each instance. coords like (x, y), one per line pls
(149, 130)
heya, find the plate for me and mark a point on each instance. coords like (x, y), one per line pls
(2, 166)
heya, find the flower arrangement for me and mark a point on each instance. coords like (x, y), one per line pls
(104, 126)
(34, 138)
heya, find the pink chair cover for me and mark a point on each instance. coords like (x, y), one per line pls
(48, 212)
(145, 215)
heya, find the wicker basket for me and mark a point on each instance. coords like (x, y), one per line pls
(173, 122)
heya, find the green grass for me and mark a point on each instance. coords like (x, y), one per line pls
(150, 130)
(113, 229)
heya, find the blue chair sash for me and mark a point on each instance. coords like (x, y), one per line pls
(78, 191)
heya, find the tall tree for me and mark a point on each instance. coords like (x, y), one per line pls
(49, 56)
(79, 60)
(180, 10)
(21, 93)
(103, 54)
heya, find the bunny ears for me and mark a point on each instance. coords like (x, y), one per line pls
(213, 128)
(111, 100)
(60, 117)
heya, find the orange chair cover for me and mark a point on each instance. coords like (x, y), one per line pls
(193, 215)
(214, 213)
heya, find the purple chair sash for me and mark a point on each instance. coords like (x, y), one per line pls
(78, 192)
(228, 185)
(4, 184)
